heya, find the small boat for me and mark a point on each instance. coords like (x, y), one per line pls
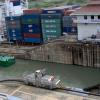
(7, 60)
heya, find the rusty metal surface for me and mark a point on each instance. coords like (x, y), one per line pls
(32, 93)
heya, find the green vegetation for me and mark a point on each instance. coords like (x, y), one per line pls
(54, 3)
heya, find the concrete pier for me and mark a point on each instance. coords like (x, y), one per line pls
(32, 93)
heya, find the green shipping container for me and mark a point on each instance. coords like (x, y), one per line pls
(48, 37)
(52, 31)
(31, 21)
(56, 21)
(53, 26)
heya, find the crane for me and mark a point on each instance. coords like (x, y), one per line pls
(13, 10)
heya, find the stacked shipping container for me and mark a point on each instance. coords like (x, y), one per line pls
(14, 28)
(51, 24)
(31, 27)
(37, 25)
(69, 27)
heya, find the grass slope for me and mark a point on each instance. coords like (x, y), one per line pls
(53, 3)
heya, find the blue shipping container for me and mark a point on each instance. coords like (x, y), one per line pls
(33, 26)
(12, 18)
(51, 16)
(14, 30)
(17, 34)
(14, 34)
(33, 40)
(51, 11)
(31, 30)
(14, 37)
(70, 29)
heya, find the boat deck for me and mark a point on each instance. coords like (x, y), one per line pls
(32, 93)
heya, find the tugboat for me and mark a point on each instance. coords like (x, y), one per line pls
(7, 60)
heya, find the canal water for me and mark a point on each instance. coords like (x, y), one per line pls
(70, 75)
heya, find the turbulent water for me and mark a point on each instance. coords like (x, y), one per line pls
(70, 75)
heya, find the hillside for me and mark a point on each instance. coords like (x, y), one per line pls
(53, 3)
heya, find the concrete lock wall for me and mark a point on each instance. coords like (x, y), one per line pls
(60, 51)
(52, 53)
(68, 53)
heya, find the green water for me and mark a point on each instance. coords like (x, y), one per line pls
(70, 75)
